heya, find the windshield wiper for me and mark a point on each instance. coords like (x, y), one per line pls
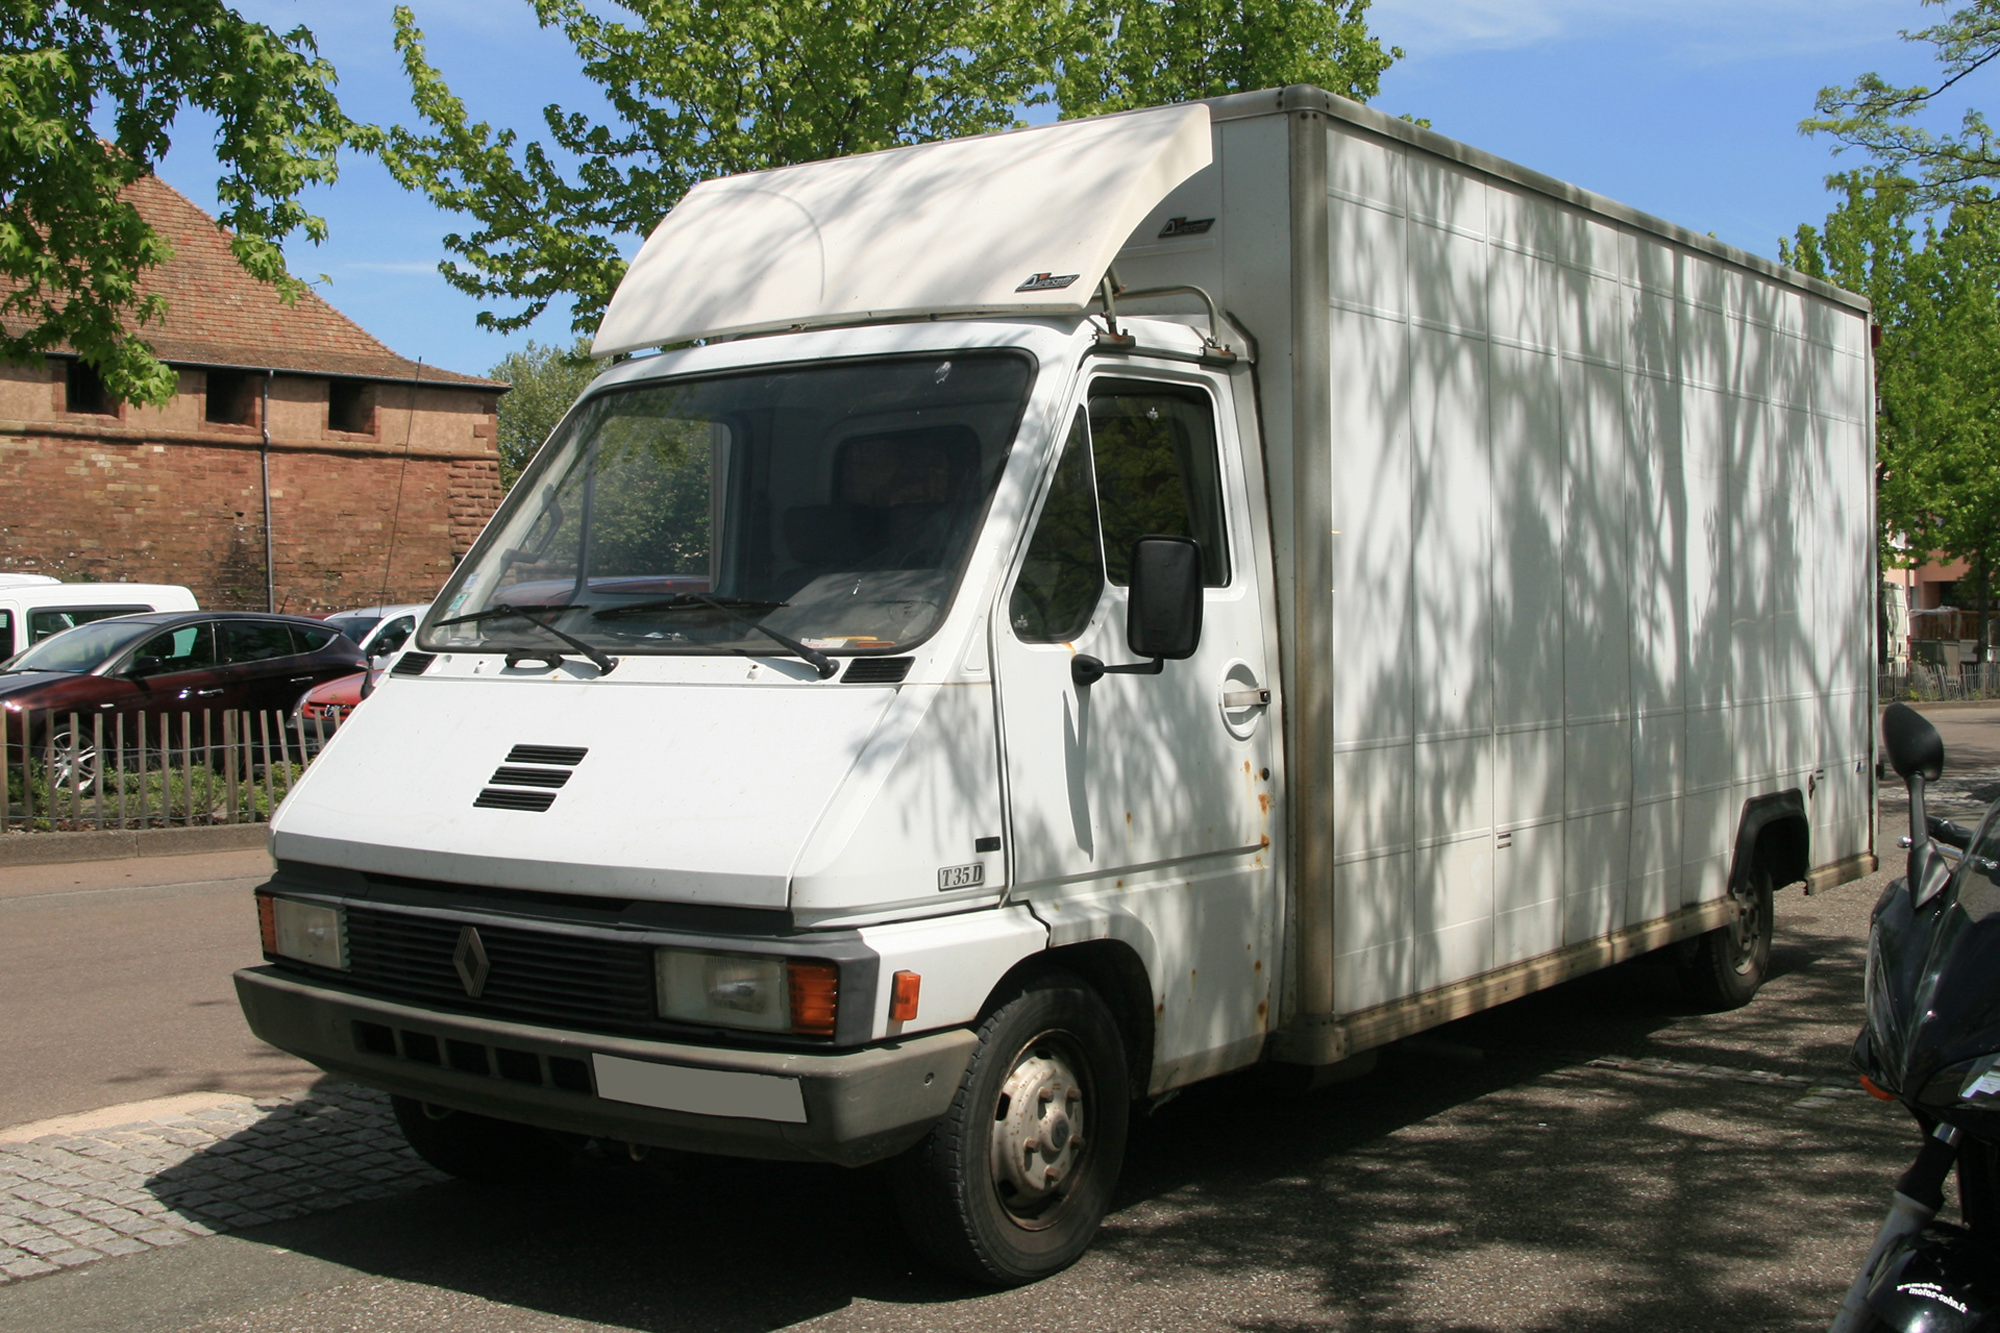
(819, 661)
(727, 605)
(680, 601)
(598, 658)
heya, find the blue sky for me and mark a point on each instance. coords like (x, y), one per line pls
(1687, 110)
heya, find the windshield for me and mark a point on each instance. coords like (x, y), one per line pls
(80, 649)
(354, 627)
(834, 505)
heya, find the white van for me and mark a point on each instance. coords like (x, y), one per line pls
(1085, 610)
(34, 606)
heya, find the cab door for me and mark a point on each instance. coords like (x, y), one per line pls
(1140, 805)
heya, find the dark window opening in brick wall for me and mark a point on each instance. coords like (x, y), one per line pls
(232, 398)
(350, 406)
(84, 391)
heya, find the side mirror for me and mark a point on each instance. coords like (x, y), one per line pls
(1914, 746)
(1916, 751)
(1163, 610)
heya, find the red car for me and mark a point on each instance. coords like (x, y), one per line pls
(334, 700)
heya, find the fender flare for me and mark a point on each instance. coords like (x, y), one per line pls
(1783, 815)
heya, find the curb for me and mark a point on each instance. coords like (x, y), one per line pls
(38, 849)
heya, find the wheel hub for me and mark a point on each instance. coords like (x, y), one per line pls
(1038, 1127)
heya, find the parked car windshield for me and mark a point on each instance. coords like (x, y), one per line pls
(354, 627)
(833, 504)
(80, 649)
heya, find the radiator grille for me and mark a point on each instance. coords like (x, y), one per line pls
(538, 976)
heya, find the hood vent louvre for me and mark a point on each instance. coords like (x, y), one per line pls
(568, 756)
(499, 798)
(877, 671)
(529, 777)
(413, 664)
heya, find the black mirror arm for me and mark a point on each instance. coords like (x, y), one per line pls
(1085, 670)
(1916, 869)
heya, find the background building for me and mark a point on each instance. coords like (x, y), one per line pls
(376, 472)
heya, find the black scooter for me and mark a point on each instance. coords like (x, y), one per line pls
(1932, 1042)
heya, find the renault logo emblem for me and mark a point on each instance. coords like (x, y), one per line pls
(470, 960)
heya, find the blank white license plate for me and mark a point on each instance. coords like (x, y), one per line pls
(723, 1092)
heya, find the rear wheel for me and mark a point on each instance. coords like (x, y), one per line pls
(1725, 967)
(478, 1148)
(1012, 1184)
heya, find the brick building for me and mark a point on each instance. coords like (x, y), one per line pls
(376, 472)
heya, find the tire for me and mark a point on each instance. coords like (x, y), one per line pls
(479, 1148)
(1011, 1185)
(1726, 966)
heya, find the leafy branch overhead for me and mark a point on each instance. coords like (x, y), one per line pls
(744, 85)
(1935, 286)
(1882, 119)
(89, 92)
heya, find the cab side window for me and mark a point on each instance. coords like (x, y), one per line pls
(1062, 575)
(188, 648)
(1157, 472)
(254, 641)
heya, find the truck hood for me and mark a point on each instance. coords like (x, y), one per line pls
(695, 793)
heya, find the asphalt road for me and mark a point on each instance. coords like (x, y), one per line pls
(114, 979)
(1597, 1157)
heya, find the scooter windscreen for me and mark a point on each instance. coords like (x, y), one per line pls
(1933, 988)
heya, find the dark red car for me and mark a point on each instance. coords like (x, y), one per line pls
(167, 662)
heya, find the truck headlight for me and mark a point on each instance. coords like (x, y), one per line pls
(307, 932)
(740, 990)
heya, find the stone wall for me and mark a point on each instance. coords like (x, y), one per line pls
(163, 496)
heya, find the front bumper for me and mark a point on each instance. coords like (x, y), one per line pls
(857, 1106)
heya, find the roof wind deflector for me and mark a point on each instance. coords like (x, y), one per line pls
(1022, 222)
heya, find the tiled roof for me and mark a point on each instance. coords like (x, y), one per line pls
(218, 315)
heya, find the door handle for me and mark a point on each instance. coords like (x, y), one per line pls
(1245, 698)
(299, 680)
(203, 694)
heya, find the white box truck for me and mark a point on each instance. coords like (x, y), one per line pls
(1078, 611)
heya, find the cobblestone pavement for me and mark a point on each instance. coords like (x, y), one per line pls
(69, 1199)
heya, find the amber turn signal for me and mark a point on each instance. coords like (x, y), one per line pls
(815, 990)
(903, 990)
(267, 922)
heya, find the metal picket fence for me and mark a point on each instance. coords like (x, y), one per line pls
(1922, 683)
(65, 772)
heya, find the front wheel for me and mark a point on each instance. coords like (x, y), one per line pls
(1724, 968)
(1012, 1184)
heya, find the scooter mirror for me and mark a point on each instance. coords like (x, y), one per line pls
(1914, 746)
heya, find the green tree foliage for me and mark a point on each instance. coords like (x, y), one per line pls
(1880, 118)
(1137, 53)
(89, 92)
(1935, 285)
(546, 381)
(698, 91)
